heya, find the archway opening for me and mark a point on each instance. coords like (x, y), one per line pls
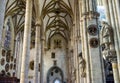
(57, 81)
(55, 75)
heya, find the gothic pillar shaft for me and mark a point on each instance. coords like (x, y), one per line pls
(111, 13)
(116, 23)
(68, 63)
(115, 72)
(81, 80)
(37, 45)
(42, 62)
(72, 65)
(117, 3)
(86, 53)
(42, 55)
(26, 43)
(116, 38)
(84, 42)
(94, 73)
(2, 14)
(76, 39)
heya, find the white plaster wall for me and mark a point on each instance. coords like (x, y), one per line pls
(31, 72)
(48, 61)
(60, 54)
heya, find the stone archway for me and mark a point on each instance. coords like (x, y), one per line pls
(55, 75)
(57, 81)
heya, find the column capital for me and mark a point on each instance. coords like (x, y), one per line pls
(42, 38)
(38, 23)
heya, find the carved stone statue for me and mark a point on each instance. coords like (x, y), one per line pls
(106, 35)
(107, 40)
(82, 66)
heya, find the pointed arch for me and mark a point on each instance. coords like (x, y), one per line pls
(52, 70)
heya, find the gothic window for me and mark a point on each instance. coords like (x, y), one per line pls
(7, 36)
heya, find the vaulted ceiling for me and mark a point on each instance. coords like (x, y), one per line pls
(58, 17)
(16, 9)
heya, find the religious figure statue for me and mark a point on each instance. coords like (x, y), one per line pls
(82, 65)
(106, 35)
(107, 40)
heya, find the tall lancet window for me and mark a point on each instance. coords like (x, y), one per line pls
(7, 35)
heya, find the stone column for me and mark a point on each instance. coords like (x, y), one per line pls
(117, 3)
(37, 49)
(26, 43)
(117, 19)
(76, 39)
(91, 50)
(42, 54)
(116, 38)
(115, 70)
(2, 14)
(82, 39)
(84, 42)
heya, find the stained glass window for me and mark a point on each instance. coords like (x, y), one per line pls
(7, 36)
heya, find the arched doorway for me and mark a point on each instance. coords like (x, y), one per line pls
(55, 75)
(57, 81)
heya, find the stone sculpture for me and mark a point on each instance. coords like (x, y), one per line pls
(107, 40)
(82, 65)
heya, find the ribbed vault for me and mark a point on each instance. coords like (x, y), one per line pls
(58, 17)
(16, 9)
